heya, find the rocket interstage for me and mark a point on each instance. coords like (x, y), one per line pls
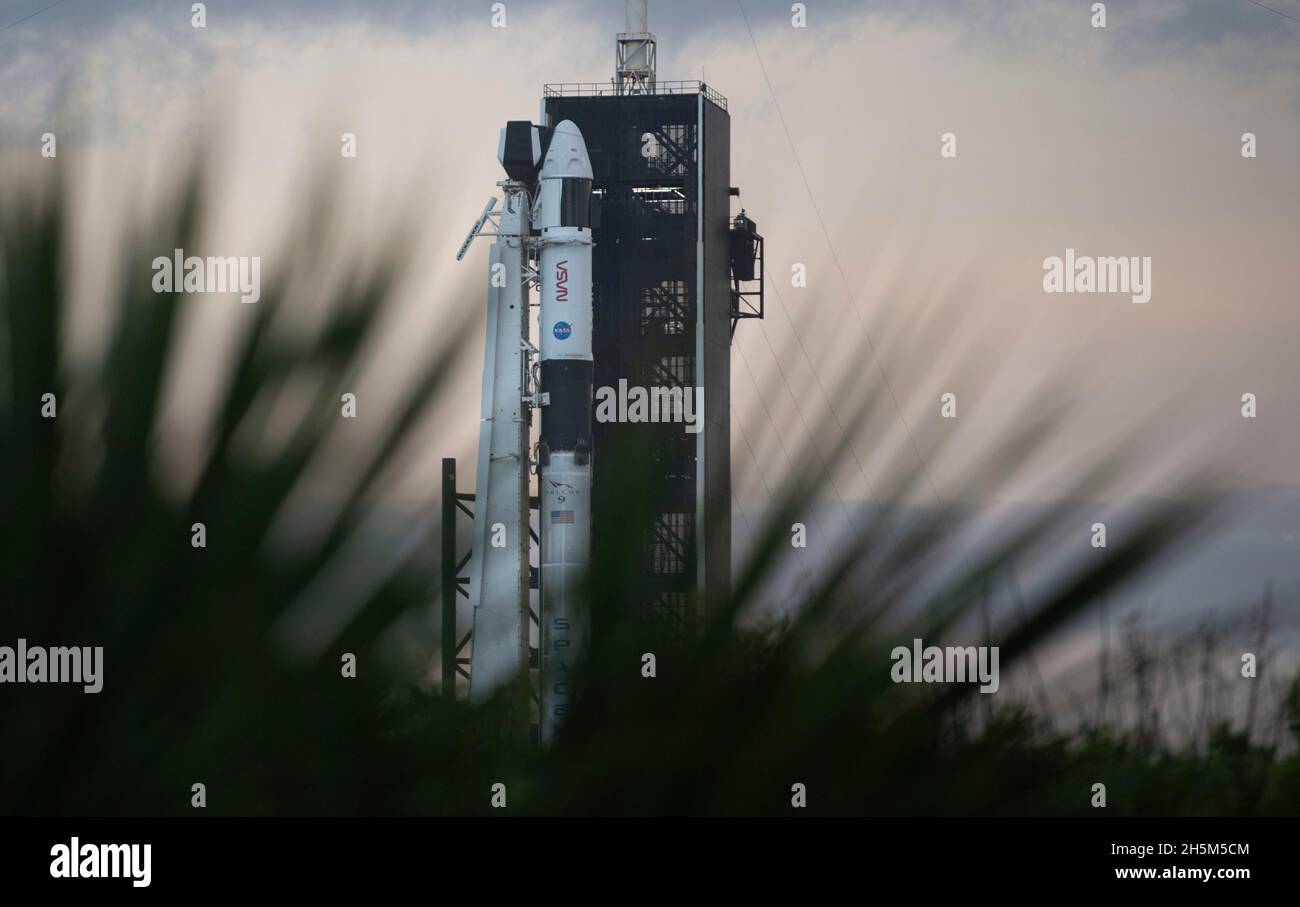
(564, 322)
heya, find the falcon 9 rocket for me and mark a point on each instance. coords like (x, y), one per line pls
(546, 219)
(564, 452)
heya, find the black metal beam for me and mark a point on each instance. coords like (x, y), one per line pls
(449, 587)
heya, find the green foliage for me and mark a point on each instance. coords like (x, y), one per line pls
(203, 683)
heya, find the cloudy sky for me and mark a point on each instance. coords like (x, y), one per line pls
(924, 272)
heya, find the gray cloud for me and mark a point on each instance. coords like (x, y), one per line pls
(1115, 141)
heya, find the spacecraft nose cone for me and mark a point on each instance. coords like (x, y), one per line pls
(566, 155)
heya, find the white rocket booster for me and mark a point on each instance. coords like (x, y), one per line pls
(564, 322)
(498, 575)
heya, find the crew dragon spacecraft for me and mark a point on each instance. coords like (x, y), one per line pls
(616, 208)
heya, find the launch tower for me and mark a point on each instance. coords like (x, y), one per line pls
(663, 310)
(672, 272)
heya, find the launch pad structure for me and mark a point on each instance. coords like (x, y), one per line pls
(672, 273)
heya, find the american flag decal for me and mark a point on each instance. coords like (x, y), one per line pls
(561, 516)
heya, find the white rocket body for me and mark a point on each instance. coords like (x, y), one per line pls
(564, 323)
(565, 269)
(498, 577)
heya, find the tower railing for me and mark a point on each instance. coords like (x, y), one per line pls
(610, 88)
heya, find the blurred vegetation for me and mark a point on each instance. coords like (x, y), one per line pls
(200, 687)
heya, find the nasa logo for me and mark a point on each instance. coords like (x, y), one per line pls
(562, 330)
(561, 281)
